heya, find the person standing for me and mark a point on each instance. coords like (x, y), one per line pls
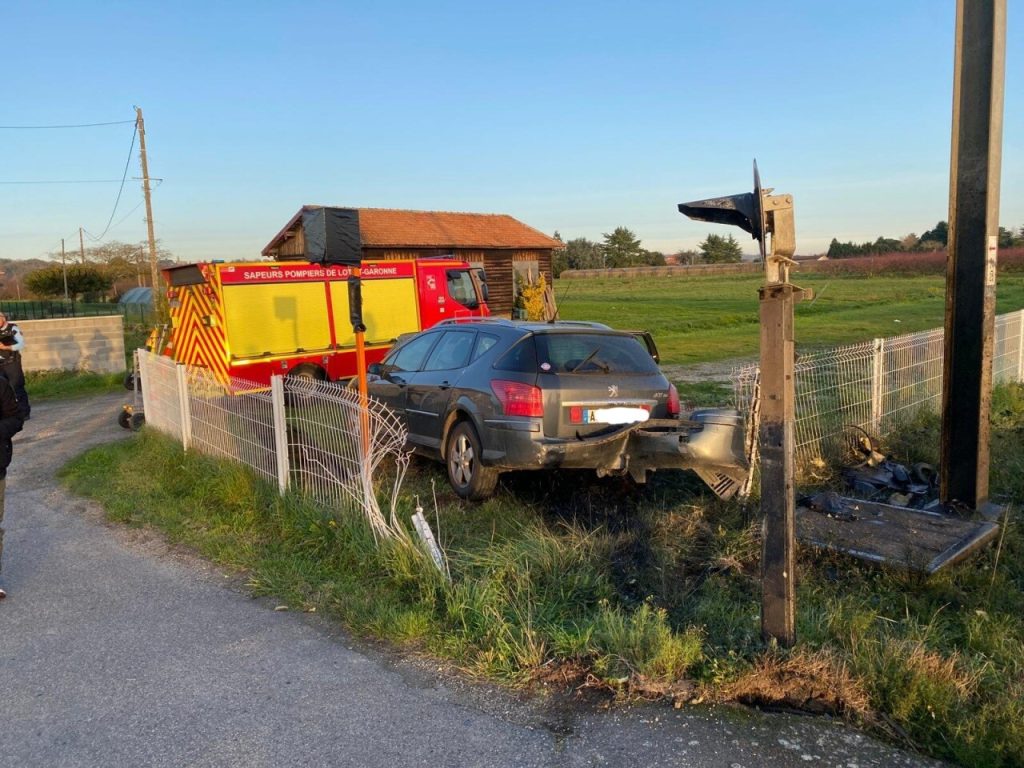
(10, 425)
(11, 344)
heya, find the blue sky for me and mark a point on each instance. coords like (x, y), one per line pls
(576, 117)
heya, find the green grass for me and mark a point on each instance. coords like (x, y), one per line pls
(58, 385)
(701, 319)
(652, 590)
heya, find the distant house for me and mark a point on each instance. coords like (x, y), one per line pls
(499, 243)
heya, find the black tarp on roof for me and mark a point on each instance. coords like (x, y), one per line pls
(332, 236)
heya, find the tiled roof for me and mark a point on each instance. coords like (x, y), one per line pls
(384, 227)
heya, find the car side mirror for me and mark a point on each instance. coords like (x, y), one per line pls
(375, 369)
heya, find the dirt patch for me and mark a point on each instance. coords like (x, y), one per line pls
(720, 371)
(816, 684)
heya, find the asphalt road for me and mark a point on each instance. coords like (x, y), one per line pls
(117, 650)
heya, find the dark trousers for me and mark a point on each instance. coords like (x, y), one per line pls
(15, 375)
(3, 484)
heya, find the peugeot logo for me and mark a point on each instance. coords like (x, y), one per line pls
(613, 390)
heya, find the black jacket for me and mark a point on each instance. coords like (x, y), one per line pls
(10, 423)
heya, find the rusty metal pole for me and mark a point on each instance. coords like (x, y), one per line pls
(355, 301)
(973, 238)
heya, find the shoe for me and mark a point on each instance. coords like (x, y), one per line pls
(2, 593)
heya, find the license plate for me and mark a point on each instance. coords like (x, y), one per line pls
(616, 415)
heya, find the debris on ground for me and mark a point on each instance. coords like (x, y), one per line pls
(894, 516)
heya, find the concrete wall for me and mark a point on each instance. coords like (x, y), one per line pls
(74, 343)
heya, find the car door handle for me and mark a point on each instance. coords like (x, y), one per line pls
(398, 380)
(444, 385)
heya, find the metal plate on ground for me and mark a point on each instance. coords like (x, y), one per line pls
(915, 539)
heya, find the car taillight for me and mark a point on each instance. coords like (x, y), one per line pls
(518, 399)
(673, 402)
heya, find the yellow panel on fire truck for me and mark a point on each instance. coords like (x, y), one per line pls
(273, 309)
(389, 304)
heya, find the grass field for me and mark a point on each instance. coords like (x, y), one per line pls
(563, 579)
(703, 319)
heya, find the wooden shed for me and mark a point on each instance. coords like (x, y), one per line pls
(499, 243)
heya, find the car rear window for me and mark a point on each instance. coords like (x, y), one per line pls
(592, 353)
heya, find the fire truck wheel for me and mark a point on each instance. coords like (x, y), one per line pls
(468, 477)
(124, 419)
(307, 373)
(136, 421)
(129, 381)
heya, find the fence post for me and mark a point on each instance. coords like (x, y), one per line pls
(181, 377)
(143, 381)
(876, 386)
(1020, 345)
(280, 431)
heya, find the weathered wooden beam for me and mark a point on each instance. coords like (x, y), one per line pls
(778, 556)
(973, 236)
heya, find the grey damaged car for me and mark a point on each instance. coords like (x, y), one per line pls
(488, 395)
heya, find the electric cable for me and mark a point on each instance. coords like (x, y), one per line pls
(50, 127)
(65, 181)
(124, 176)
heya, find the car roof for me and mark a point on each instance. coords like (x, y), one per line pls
(528, 326)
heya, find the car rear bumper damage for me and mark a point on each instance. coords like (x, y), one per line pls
(709, 441)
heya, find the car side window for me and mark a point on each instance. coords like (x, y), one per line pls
(522, 357)
(411, 356)
(484, 342)
(452, 351)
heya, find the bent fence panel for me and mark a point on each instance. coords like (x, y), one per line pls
(314, 437)
(345, 454)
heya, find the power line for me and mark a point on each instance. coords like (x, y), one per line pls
(50, 127)
(133, 210)
(67, 181)
(121, 188)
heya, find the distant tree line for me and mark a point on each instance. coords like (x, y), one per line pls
(98, 271)
(621, 248)
(935, 239)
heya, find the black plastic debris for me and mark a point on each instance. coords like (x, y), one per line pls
(872, 476)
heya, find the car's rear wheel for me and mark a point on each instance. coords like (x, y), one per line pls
(468, 476)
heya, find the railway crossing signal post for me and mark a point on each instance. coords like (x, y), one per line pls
(332, 238)
(762, 214)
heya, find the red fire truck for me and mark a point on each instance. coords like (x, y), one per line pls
(253, 320)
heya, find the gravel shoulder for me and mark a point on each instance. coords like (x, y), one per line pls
(119, 650)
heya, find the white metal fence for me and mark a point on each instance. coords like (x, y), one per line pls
(878, 385)
(314, 437)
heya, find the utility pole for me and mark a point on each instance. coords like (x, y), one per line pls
(81, 245)
(64, 268)
(978, 75)
(158, 295)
